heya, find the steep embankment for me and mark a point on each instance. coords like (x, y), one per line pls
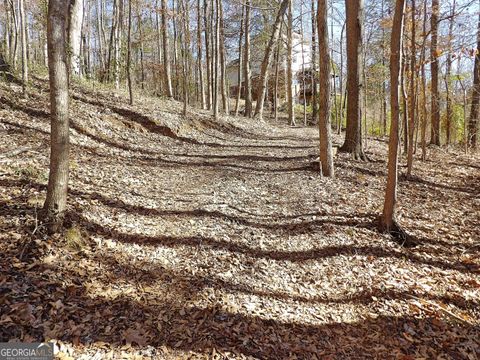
(190, 237)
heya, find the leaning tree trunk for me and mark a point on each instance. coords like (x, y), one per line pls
(56, 201)
(325, 128)
(387, 221)
(353, 136)
(435, 111)
(267, 59)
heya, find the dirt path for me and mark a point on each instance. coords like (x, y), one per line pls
(191, 238)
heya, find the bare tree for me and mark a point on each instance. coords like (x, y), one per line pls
(290, 101)
(23, 35)
(387, 220)
(326, 153)
(129, 52)
(411, 113)
(75, 35)
(267, 59)
(247, 74)
(240, 64)
(353, 136)
(435, 110)
(56, 201)
(166, 50)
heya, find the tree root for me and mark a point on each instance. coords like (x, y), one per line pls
(398, 235)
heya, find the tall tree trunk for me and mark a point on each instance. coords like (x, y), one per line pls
(7, 34)
(158, 28)
(387, 222)
(129, 52)
(240, 64)
(384, 82)
(166, 51)
(435, 116)
(448, 79)
(342, 97)
(223, 65)
(424, 85)
(304, 83)
(314, 64)
(277, 65)
(208, 54)
(56, 201)
(247, 73)
(473, 122)
(140, 43)
(23, 35)
(186, 54)
(326, 153)
(216, 54)
(75, 35)
(353, 136)
(200, 51)
(412, 114)
(101, 55)
(290, 100)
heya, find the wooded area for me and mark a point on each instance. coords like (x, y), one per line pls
(221, 179)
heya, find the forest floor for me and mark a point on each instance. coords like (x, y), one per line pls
(190, 238)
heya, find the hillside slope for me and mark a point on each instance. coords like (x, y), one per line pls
(190, 238)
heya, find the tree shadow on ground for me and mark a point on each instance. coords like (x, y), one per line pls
(418, 180)
(430, 256)
(61, 306)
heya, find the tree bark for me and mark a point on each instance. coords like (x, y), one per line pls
(435, 107)
(247, 74)
(314, 64)
(412, 114)
(23, 36)
(290, 101)
(166, 53)
(448, 80)
(240, 64)
(325, 128)
(208, 54)
(223, 65)
(75, 35)
(56, 201)
(387, 222)
(129, 52)
(200, 51)
(353, 137)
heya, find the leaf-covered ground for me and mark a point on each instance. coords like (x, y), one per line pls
(190, 238)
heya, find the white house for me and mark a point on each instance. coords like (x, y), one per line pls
(299, 61)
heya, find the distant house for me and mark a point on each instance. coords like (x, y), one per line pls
(256, 62)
